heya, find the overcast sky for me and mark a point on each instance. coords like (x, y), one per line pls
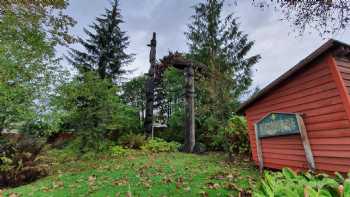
(275, 41)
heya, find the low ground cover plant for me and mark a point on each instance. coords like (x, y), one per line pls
(288, 183)
(157, 145)
(118, 151)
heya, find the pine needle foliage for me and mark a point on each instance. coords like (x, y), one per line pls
(105, 48)
(216, 40)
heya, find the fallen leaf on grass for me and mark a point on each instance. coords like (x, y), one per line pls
(187, 189)
(180, 179)
(203, 194)
(45, 189)
(147, 185)
(220, 175)
(13, 195)
(213, 185)
(131, 158)
(231, 186)
(92, 180)
(167, 180)
(119, 182)
(179, 182)
(57, 184)
(245, 194)
(230, 176)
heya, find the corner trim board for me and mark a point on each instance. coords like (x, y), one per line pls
(336, 75)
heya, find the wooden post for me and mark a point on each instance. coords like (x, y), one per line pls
(305, 140)
(148, 124)
(189, 107)
(259, 150)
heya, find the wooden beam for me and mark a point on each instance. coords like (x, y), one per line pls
(259, 149)
(306, 144)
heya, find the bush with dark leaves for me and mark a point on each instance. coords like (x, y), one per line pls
(19, 162)
(132, 140)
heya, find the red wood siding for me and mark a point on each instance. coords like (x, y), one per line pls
(344, 69)
(312, 91)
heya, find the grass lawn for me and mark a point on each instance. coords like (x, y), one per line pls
(144, 174)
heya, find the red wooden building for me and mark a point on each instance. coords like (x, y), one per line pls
(318, 90)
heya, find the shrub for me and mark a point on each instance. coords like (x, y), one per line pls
(175, 129)
(87, 145)
(132, 140)
(290, 184)
(159, 145)
(200, 148)
(118, 151)
(207, 130)
(93, 110)
(19, 162)
(234, 136)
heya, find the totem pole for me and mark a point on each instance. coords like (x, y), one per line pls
(148, 125)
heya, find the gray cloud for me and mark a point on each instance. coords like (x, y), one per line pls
(274, 40)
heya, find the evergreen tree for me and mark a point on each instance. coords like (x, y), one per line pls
(105, 48)
(216, 41)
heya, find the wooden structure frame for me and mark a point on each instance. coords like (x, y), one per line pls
(177, 61)
(303, 135)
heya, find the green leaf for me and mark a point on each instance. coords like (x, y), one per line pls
(288, 173)
(324, 193)
(286, 192)
(267, 189)
(339, 178)
(347, 188)
(330, 183)
(310, 192)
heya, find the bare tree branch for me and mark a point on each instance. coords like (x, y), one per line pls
(327, 17)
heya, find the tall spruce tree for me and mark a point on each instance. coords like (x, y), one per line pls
(105, 47)
(216, 41)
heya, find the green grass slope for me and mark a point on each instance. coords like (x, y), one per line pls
(144, 174)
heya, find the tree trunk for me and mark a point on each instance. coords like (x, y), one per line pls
(189, 107)
(2, 125)
(148, 124)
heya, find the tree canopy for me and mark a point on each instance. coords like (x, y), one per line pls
(48, 13)
(28, 69)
